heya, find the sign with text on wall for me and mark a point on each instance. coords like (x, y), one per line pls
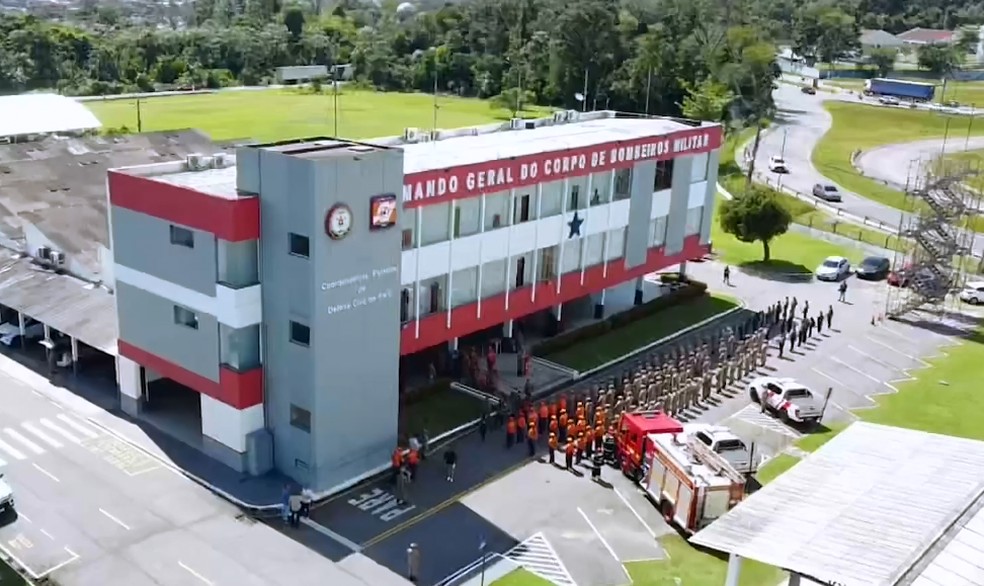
(362, 290)
(430, 187)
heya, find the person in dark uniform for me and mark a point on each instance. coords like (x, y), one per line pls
(597, 460)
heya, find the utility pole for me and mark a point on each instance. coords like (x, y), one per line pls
(139, 118)
(970, 126)
(782, 150)
(584, 103)
(649, 84)
(435, 92)
(519, 93)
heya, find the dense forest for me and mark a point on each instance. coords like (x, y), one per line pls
(699, 57)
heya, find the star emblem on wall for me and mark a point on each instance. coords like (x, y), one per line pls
(575, 226)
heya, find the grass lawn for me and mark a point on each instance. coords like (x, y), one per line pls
(962, 92)
(688, 566)
(861, 127)
(278, 114)
(9, 577)
(439, 412)
(521, 577)
(618, 342)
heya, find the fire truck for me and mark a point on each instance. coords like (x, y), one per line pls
(631, 437)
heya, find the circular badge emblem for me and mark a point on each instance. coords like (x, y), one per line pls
(338, 222)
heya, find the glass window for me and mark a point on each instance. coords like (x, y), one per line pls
(623, 183)
(664, 175)
(467, 217)
(657, 232)
(601, 188)
(182, 237)
(464, 287)
(185, 317)
(300, 334)
(300, 418)
(698, 172)
(616, 244)
(694, 217)
(299, 245)
(523, 212)
(435, 223)
(496, 211)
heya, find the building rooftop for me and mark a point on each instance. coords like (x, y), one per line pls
(927, 35)
(875, 506)
(28, 114)
(58, 185)
(454, 148)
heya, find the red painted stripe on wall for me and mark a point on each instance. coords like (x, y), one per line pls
(465, 320)
(240, 390)
(442, 185)
(234, 220)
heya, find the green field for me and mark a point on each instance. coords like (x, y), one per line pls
(859, 127)
(963, 92)
(521, 577)
(269, 115)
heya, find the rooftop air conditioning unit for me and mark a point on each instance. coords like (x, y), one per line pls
(44, 253)
(410, 134)
(435, 135)
(573, 115)
(57, 258)
(560, 117)
(516, 124)
(195, 162)
(219, 161)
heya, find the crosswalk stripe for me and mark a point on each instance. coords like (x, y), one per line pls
(23, 440)
(78, 426)
(41, 434)
(11, 451)
(51, 425)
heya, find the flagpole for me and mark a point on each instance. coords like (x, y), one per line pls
(649, 83)
(584, 103)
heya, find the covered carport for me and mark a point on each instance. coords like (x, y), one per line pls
(58, 319)
(875, 506)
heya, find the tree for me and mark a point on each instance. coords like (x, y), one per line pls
(294, 21)
(883, 58)
(755, 215)
(940, 60)
(824, 32)
(513, 99)
(708, 100)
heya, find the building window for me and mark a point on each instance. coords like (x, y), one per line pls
(407, 239)
(623, 183)
(182, 237)
(185, 317)
(300, 334)
(664, 175)
(522, 213)
(404, 306)
(456, 222)
(300, 245)
(575, 196)
(300, 418)
(434, 303)
(520, 272)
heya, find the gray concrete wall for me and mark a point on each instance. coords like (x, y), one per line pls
(676, 220)
(143, 243)
(710, 197)
(347, 293)
(147, 321)
(640, 208)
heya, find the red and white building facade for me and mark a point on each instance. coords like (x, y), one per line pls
(226, 266)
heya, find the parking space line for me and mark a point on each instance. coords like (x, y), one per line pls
(34, 575)
(827, 376)
(195, 574)
(890, 347)
(78, 426)
(636, 513)
(41, 434)
(73, 557)
(114, 519)
(870, 357)
(855, 369)
(601, 538)
(12, 451)
(65, 434)
(23, 440)
(45, 472)
(48, 535)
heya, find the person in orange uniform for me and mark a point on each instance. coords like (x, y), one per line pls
(520, 426)
(579, 413)
(554, 426)
(531, 436)
(599, 434)
(510, 432)
(582, 445)
(600, 417)
(396, 461)
(413, 460)
(563, 421)
(569, 453)
(570, 432)
(554, 409)
(581, 427)
(533, 419)
(562, 402)
(544, 416)
(552, 444)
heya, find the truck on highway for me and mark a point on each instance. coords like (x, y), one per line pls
(910, 90)
(691, 485)
(6, 493)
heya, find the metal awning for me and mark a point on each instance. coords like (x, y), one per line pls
(73, 307)
(876, 506)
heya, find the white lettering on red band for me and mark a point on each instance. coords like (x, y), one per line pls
(468, 180)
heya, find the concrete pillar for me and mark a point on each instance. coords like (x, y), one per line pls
(507, 329)
(599, 308)
(794, 579)
(224, 430)
(130, 381)
(638, 291)
(453, 344)
(734, 570)
(75, 355)
(683, 270)
(560, 308)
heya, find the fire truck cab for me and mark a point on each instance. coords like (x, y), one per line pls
(632, 435)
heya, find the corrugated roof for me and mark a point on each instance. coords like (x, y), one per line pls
(861, 511)
(44, 114)
(927, 35)
(66, 304)
(958, 558)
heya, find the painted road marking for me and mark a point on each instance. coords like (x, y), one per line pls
(635, 513)
(11, 451)
(41, 434)
(896, 350)
(855, 369)
(77, 426)
(195, 574)
(601, 538)
(334, 535)
(23, 440)
(53, 427)
(870, 357)
(114, 519)
(537, 556)
(46, 534)
(381, 504)
(45, 472)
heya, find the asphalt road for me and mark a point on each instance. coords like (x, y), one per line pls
(894, 164)
(91, 509)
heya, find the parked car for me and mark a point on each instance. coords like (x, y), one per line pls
(809, 89)
(790, 400)
(723, 442)
(833, 268)
(873, 268)
(973, 292)
(888, 101)
(899, 277)
(777, 164)
(826, 192)
(10, 333)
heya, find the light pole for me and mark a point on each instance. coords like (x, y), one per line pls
(481, 548)
(782, 149)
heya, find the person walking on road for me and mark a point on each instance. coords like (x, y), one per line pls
(402, 481)
(450, 462)
(843, 292)
(782, 345)
(295, 510)
(727, 275)
(820, 323)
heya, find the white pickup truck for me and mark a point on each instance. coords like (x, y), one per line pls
(6, 493)
(789, 400)
(723, 442)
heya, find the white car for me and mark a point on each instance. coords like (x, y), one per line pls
(833, 268)
(723, 442)
(973, 292)
(777, 164)
(889, 101)
(790, 400)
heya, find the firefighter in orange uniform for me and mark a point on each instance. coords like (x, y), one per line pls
(580, 411)
(554, 425)
(510, 432)
(520, 426)
(396, 461)
(552, 444)
(581, 426)
(531, 436)
(569, 453)
(570, 431)
(582, 446)
(544, 417)
(599, 434)
(563, 421)
(534, 419)
(554, 409)
(562, 401)
(413, 460)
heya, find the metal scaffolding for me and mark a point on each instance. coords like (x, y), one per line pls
(933, 253)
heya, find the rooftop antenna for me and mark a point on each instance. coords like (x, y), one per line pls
(584, 95)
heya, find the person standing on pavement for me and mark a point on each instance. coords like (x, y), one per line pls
(510, 432)
(782, 344)
(569, 453)
(820, 323)
(562, 421)
(450, 462)
(727, 275)
(413, 460)
(842, 289)
(295, 510)
(396, 462)
(531, 437)
(285, 504)
(543, 417)
(830, 317)
(552, 448)
(413, 563)
(402, 482)
(554, 426)
(307, 497)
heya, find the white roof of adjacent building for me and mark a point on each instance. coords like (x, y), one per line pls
(44, 114)
(876, 506)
